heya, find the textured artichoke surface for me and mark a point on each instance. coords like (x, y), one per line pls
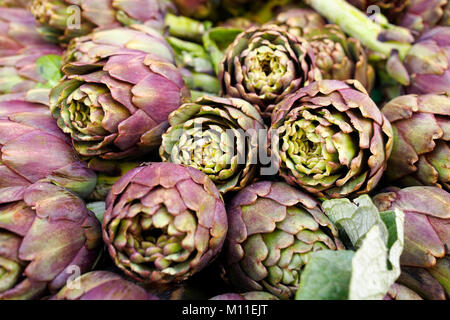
(102, 285)
(164, 222)
(273, 228)
(299, 22)
(425, 259)
(118, 107)
(265, 64)
(421, 149)
(218, 136)
(331, 139)
(26, 130)
(44, 237)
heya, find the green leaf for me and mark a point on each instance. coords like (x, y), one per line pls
(98, 208)
(49, 68)
(326, 276)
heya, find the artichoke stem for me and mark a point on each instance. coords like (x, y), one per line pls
(358, 25)
(186, 28)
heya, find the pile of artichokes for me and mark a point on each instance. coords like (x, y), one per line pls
(224, 149)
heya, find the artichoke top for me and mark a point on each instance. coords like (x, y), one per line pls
(265, 64)
(331, 139)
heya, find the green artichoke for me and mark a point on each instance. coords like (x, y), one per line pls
(421, 149)
(264, 65)
(45, 236)
(27, 132)
(273, 228)
(425, 259)
(118, 107)
(62, 20)
(331, 139)
(218, 136)
(102, 285)
(299, 22)
(101, 44)
(164, 222)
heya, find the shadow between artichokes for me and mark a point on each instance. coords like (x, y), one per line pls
(164, 222)
(330, 139)
(273, 228)
(218, 136)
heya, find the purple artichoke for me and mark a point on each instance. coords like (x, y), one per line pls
(331, 139)
(102, 285)
(422, 15)
(421, 149)
(273, 228)
(299, 22)
(265, 64)
(425, 259)
(59, 25)
(44, 237)
(27, 133)
(400, 292)
(197, 9)
(117, 108)
(164, 222)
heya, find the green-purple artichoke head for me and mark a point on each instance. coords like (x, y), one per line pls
(118, 107)
(102, 285)
(331, 139)
(198, 9)
(299, 22)
(425, 259)
(101, 44)
(421, 149)
(273, 229)
(63, 20)
(265, 64)
(45, 237)
(218, 136)
(428, 63)
(164, 222)
(32, 147)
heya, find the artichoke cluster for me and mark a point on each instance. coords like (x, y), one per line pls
(158, 149)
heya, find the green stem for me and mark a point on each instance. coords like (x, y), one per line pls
(358, 25)
(186, 28)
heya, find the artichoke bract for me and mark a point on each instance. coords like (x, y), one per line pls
(102, 285)
(331, 139)
(273, 228)
(27, 134)
(63, 20)
(118, 107)
(299, 22)
(164, 222)
(422, 15)
(265, 64)
(421, 149)
(45, 237)
(218, 136)
(17, 32)
(400, 292)
(101, 44)
(425, 259)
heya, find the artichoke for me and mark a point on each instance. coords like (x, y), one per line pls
(421, 149)
(15, 3)
(218, 136)
(164, 222)
(44, 237)
(299, 22)
(254, 295)
(118, 107)
(264, 65)
(425, 259)
(400, 292)
(102, 285)
(422, 15)
(62, 20)
(393, 10)
(331, 139)
(273, 228)
(27, 132)
(101, 44)
(17, 32)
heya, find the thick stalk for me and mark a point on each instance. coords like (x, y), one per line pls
(358, 25)
(186, 28)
